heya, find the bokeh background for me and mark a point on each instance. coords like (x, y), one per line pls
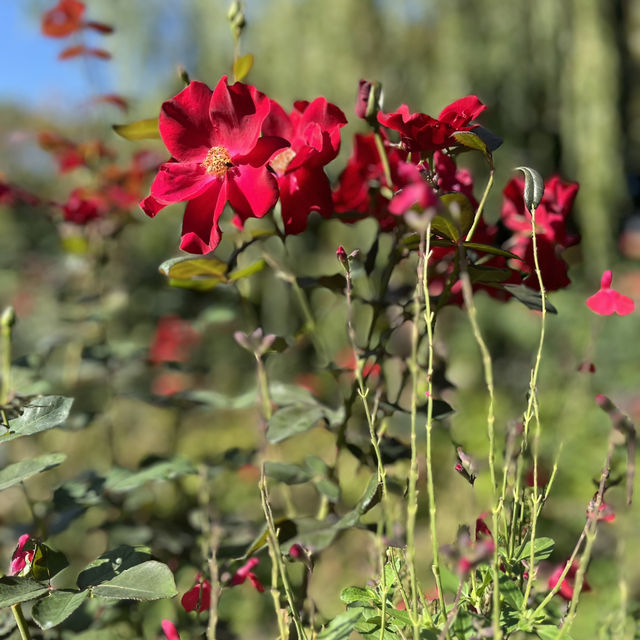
(560, 82)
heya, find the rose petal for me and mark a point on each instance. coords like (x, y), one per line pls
(252, 191)
(200, 227)
(179, 181)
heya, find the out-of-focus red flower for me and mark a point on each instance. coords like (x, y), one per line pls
(552, 236)
(313, 131)
(173, 341)
(359, 184)
(608, 301)
(451, 179)
(168, 383)
(63, 19)
(566, 588)
(82, 207)
(346, 359)
(421, 133)
(82, 50)
(169, 630)
(244, 573)
(218, 157)
(199, 597)
(70, 155)
(414, 191)
(605, 513)
(587, 367)
(22, 558)
(11, 195)
(482, 529)
(123, 186)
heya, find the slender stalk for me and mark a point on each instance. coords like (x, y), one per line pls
(429, 318)
(216, 589)
(7, 320)
(263, 385)
(480, 208)
(276, 556)
(384, 159)
(23, 627)
(467, 293)
(453, 613)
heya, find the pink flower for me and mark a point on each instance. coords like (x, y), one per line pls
(22, 558)
(608, 301)
(81, 208)
(218, 157)
(421, 133)
(198, 598)
(566, 588)
(170, 630)
(245, 572)
(173, 341)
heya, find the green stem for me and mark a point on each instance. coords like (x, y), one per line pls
(263, 385)
(276, 555)
(480, 209)
(467, 293)
(384, 159)
(429, 318)
(7, 320)
(23, 627)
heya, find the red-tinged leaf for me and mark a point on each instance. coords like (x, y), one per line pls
(113, 99)
(81, 50)
(99, 26)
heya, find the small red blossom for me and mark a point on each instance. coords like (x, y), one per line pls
(482, 529)
(421, 133)
(566, 588)
(244, 573)
(173, 341)
(346, 359)
(199, 597)
(169, 630)
(608, 301)
(605, 513)
(22, 558)
(82, 207)
(414, 191)
(11, 195)
(218, 156)
(313, 131)
(63, 19)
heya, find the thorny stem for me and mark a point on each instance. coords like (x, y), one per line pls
(467, 293)
(276, 555)
(429, 318)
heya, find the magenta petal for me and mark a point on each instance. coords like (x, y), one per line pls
(252, 191)
(151, 206)
(602, 303)
(278, 123)
(605, 281)
(170, 630)
(301, 192)
(237, 113)
(265, 149)
(184, 123)
(624, 305)
(460, 112)
(200, 226)
(179, 181)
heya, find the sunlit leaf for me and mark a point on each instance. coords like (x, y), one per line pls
(57, 607)
(14, 589)
(341, 626)
(542, 549)
(147, 581)
(457, 217)
(242, 66)
(287, 473)
(470, 140)
(39, 415)
(119, 479)
(201, 274)
(20, 471)
(112, 563)
(140, 130)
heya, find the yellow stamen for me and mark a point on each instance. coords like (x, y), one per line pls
(217, 162)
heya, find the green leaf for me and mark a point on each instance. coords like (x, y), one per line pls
(510, 592)
(140, 130)
(341, 626)
(47, 562)
(529, 298)
(550, 632)
(283, 394)
(533, 187)
(316, 466)
(356, 594)
(371, 496)
(199, 274)
(20, 471)
(147, 581)
(120, 479)
(293, 420)
(14, 590)
(40, 415)
(242, 66)
(245, 272)
(57, 607)
(471, 141)
(542, 549)
(112, 563)
(450, 581)
(287, 473)
(328, 488)
(287, 529)
(482, 273)
(487, 248)
(457, 218)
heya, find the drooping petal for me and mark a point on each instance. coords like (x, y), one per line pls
(179, 181)
(151, 206)
(237, 113)
(252, 191)
(301, 192)
(459, 113)
(200, 227)
(184, 123)
(266, 147)
(169, 630)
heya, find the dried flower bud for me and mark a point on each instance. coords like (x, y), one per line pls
(369, 101)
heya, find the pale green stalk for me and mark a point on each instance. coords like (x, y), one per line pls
(7, 320)
(21, 623)
(480, 208)
(429, 318)
(276, 555)
(384, 159)
(263, 385)
(467, 293)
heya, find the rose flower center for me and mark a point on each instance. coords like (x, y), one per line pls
(282, 160)
(217, 162)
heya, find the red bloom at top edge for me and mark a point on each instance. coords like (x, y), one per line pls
(218, 157)
(424, 134)
(313, 129)
(63, 19)
(608, 301)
